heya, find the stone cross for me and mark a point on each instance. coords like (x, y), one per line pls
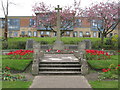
(58, 45)
(58, 22)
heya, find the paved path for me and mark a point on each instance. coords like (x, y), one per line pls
(60, 82)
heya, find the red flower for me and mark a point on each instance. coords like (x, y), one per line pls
(116, 68)
(106, 54)
(71, 52)
(58, 51)
(7, 68)
(104, 70)
(23, 53)
(119, 65)
(8, 75)
(108, 69)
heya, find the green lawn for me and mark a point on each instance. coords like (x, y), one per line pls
(104, 84)
(16, 84)
(101, 64)
(114, 57)
(15, 64)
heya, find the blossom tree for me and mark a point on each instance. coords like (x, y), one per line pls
(106, 16)
(46, 16)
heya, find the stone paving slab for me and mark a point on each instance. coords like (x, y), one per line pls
(59, 58)
(60, 82)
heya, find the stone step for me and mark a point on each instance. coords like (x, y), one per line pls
(60, 72)
(60, 65)
(74, 62)
(59, 69)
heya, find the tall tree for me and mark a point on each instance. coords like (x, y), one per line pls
(106, 16)
(5, 10)
(46, 16)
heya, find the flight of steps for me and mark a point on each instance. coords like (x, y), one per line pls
(60, 68)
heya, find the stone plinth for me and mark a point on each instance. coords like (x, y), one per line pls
(58, 45)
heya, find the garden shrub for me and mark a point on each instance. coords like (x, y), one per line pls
(108, 41)
(116, 41)
(108, 47)
(21, 44)
(13, 45)
(96, 45)
(43, 42)
(4, 45)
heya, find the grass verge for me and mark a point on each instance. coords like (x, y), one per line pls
(16, 84)
(104, 84)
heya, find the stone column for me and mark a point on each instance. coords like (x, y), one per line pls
(88, 44)
(29, 44)
(81, 46)
(36, 60)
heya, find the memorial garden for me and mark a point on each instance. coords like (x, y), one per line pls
(80, 62)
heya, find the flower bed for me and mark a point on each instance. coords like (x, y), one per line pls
(7, 76)
(20, 54)
(97, 55)
(65, 51)
(110, 73)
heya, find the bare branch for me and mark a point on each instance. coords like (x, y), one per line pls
(3, 7)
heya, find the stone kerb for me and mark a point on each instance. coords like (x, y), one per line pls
(38, 54)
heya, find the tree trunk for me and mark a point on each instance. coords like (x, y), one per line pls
(6, 27)
(102, 40)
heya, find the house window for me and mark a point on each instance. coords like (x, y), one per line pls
(67, 33)
(1, 24)
(35, 34)
(32, 22)
(23, 33)
(41, 33)
(15, 34)
(10, 34)
(94, 34)
(87, 33)
(78, 23)
(47, 33)
(94, 23)
(29, 33)
(75, 34)
(55, 34)
(111, 34)
(14, 24)
(81, 34)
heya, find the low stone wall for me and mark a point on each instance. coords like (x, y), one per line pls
(83, 62)
(38, 55)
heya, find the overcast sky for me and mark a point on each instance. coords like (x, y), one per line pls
(24, 7)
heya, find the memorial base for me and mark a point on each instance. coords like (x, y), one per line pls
(58, 45)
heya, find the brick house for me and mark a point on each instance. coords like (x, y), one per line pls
(22, 26)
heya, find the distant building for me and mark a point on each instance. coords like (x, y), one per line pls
(22, 26)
